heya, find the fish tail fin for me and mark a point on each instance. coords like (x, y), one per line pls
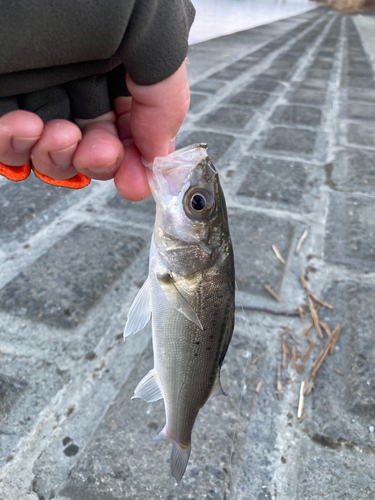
(179, 460)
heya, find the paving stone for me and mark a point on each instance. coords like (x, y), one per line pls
(315, 84)
(365, 82)
(229, 117)
(263, 84)
(196, 100)
(361, 111)
(350, 233)
(218, 144)
(210, 86)
(273, 180)
(63, 285)
(276, 74)
(360, 68)
(361, 134)
(321, 472)
(303, 96)
(297, 115)
(122, 461)
(352, 170)
(361, 95)
(322, 64)
(11, 390)
(252, 235)
(20, 202)
(319, 74)
(242, 65)
(247, 98)
(290, 139)
(226, 74)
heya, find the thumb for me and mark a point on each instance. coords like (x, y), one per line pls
(157, 113)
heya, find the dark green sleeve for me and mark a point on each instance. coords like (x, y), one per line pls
(51, 42)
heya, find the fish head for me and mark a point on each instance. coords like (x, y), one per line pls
(190, 206)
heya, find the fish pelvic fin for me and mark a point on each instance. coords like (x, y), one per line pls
(179, 460)
(149, 388)
(140, 311)
(176, 299)
(217, 389)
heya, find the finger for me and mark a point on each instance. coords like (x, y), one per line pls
(123, 109)
(130, 179)
(53, 154)
(157, 112)
(100, 153)
(19, 132)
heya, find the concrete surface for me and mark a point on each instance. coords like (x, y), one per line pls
(288, 112)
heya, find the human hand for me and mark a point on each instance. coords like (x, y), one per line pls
(110, 146)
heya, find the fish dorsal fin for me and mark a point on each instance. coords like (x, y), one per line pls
(140, 311)
(217, 390)
(148, 388)
(176, 299)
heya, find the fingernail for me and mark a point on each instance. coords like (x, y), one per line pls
(63, 157)
(23, 144)
(104, 169)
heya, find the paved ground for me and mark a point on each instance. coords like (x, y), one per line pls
(288, 110)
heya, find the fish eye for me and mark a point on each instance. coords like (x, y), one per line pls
(198, 203)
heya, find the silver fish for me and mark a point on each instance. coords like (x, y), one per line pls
(189, 292)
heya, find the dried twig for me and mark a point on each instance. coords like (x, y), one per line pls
(301, 313)
(271, 292)
(339, 372)
(300, 368)
(334, 337)
(325, 327)
(278, 254)
(258, 387)
(301, 240)
(283, 332)
(308, 351)
(294, 338)
(315, 318)
(285, 352)
(310, 294)
(302, 418)
(293, 312)
(306, 331)
(254, 360)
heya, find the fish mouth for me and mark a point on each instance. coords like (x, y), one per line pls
(167, 174)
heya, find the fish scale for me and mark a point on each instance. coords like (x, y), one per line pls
(189, 293)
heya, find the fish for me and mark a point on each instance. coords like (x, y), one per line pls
(189, 293)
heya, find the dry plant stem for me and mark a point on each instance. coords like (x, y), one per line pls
(325, 328)
(308, 351)
(334, 337)
(301, 400)
(294, 357)
(278, 254)
(258, 387)
(283, 332)
(300, 368)
(254, 360)
(302, 418)
(315, 318)
(301, 313)
(301, 240)
(285, 352)
(271, 292)
(306, 331)
(339, 372)
(294, 338)
(331, 341)
(310, 294)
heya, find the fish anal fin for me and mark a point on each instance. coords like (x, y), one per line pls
(217, 390)
(140, 311)
(149, 388)
(176, 299)
(179, 460)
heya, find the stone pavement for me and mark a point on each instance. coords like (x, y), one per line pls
(288, 111)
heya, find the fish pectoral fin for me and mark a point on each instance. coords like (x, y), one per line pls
(176, 299)
(149, 388)
(217, 390)
(140, 311)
